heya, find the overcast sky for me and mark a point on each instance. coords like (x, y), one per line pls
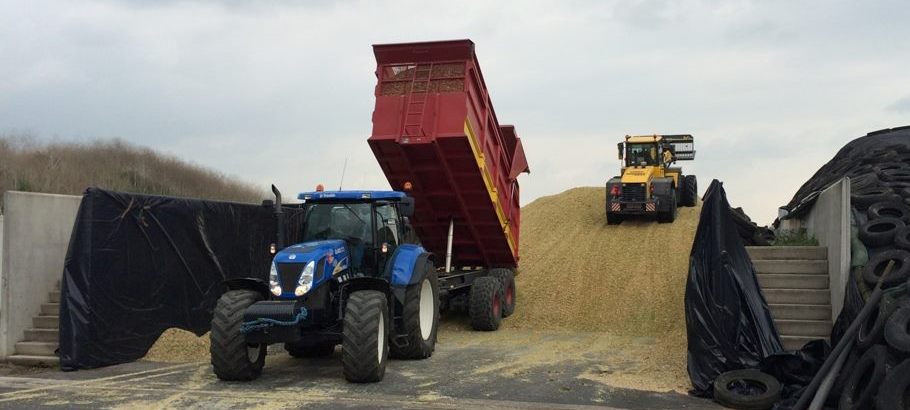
(282, 92)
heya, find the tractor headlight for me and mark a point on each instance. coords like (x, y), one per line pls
(274, 287)
(305, 282)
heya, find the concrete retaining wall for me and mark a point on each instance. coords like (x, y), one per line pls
(829, 222)
(36, 234)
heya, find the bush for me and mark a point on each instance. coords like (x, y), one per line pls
(798, 237)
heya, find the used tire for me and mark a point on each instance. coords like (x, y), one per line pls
(880, 210)
(508, 289)
(902, 238)
(690, 191)
(877, 264)
(865, 378)
(872, 329)
(420, 317)
(233, 359)
(301, 349)
(485, 303)
(841, 380)
(746, 389)
(894, 392)
(880, 232)
(868, 196)
(897, 331)
(365, 347)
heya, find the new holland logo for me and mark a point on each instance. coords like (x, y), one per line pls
(292, 256)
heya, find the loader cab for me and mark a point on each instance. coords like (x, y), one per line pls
(372, 224)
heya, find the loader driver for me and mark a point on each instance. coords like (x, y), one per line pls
(667, 156)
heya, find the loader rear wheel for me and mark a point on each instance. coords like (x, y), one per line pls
(508, 289)
(232, 357)
(689, 191)
(420, 317)
(485, 304)
(365, 347)
(299, 350)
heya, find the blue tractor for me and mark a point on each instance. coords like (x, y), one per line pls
(358, 278)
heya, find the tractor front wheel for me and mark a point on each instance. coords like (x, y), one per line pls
(420, 317)
(232, 357)
(365, 348)
(485, 303)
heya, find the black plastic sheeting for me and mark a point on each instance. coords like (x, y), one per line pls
(728, 323)
(138, 265)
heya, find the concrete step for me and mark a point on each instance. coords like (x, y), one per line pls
(55, 296)
(792, 281)
(34, 361)
(809, 328)
(801, 312)
(793, 266)
(46, 322)
(795, 342)
(787, 252)
(42, 335)
(797, 296)
(50, 309)
(36, 348)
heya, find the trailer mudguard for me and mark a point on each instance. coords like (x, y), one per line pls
(253, 284)
(405, 264)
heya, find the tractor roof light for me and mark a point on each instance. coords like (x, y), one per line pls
(408, 186)
(320, 188)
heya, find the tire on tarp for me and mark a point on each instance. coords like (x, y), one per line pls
(746, 389)
(895, 388)
(864, 381)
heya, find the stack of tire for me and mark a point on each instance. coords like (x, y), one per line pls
(876, 373)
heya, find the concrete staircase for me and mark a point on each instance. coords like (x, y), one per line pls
(794, 280)
(41, 341)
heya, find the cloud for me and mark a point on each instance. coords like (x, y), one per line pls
(283, 91)
(901, 106)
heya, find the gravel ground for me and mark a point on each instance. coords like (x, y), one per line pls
(584, 289)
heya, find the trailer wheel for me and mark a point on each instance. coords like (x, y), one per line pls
(232, 357)
(300, 349)
(689, 191)
(365, 347)
(485, 305)
(508, 289)
(420, 317)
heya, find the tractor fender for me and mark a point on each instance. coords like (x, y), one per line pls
(407, 264)
(254, 284)
(366, 283)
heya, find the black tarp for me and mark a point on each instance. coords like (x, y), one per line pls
(728, 323)
(138, 265)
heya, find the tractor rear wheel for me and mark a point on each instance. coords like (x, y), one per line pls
(420, 317)
(232, 357)
(301, 349)
(365, 348)
(689, 191)
(485, 303)
(508, 289)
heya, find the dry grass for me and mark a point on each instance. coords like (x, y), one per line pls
(70, 168)
(179, 346)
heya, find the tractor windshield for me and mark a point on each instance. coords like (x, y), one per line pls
(349, 222)
(638, 154)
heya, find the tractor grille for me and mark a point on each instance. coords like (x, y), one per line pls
(288, 273)
(634, 193)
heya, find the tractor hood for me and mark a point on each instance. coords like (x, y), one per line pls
(290, 267)
(637, 175)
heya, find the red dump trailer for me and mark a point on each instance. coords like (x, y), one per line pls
(434, 127)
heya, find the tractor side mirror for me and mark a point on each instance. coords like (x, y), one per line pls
(619, 148)
(406, 207)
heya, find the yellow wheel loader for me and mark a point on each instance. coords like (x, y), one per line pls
(650, 185)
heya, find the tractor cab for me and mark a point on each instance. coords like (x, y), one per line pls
(350, 233)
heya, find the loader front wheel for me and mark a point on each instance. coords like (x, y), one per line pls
(689, 191)
(420, 317)
(365, 347)
(485, 304)
(233, 358)
(669, 215)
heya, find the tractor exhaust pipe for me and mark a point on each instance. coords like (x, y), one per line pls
(279, 217)
(449, 245)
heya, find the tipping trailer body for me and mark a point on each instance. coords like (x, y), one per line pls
(434, 127)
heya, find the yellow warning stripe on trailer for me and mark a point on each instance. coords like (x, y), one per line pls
(488, 181)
